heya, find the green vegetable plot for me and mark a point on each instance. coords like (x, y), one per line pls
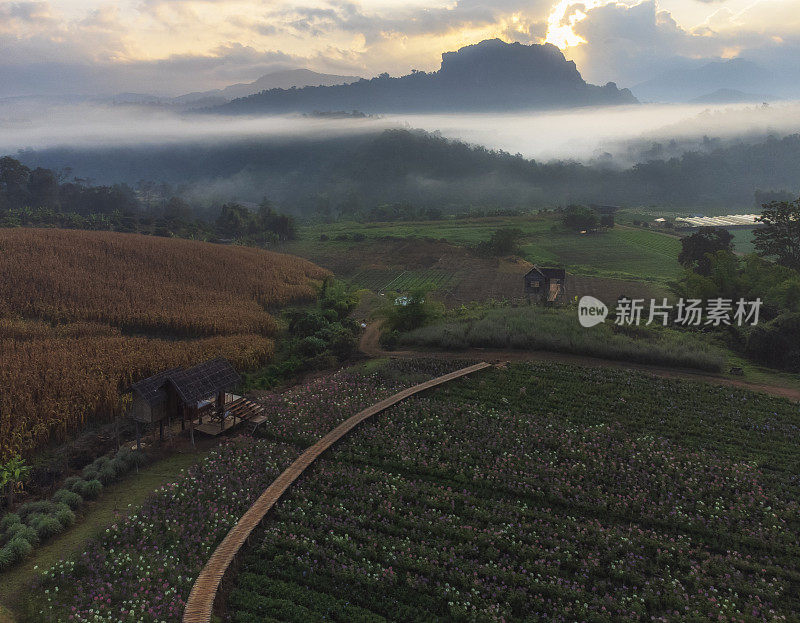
(548, 493)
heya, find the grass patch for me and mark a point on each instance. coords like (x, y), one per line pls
(538, 328)
(621, 252)
(743, 241)
(93, 519)
(754, 373)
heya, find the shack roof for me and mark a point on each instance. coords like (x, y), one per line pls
(191, 384)
(204, 380)
(151, 389)
(547, 273)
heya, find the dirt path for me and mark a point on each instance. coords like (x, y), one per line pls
(370, 346)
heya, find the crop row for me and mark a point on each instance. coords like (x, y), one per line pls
(538, 492)
(404, 281)
(82, 314)
(408, 549)
(35, 522)
(141, 569)
(146, 284)
(543, 493)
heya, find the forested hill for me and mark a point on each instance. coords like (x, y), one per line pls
(343, 174)
(489, 76)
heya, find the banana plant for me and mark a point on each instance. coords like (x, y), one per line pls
(13, 474)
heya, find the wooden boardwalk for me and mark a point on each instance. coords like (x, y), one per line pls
(200, 604)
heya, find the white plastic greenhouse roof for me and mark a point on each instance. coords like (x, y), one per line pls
(720, 221)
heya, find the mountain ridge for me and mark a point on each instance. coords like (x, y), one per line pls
(682, 85)
(489, 76)
(283, 79)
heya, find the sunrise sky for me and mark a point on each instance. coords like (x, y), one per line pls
(175, 46)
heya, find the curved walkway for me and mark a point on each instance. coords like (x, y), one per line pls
(200, 604)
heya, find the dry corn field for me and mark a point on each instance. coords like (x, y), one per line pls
(84, 313)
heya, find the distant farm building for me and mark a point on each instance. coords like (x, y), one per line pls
(605, 214)
(546, 285)
(190, 395)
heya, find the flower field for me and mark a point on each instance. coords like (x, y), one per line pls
(304, 414)
(143, 567)
(82, 314)
(535, 492)
(548, 493)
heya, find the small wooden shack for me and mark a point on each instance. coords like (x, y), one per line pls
(186, 394)
(546, 285)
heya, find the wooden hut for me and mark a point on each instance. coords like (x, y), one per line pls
(150, 397)
(546, 285)
(183, 394)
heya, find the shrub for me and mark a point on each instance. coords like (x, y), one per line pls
(92, 489)
(20, 547)
(9, 520)
(46, 526)
(70, 498)
(777, 343)
(534, 328)
(42, 507)
(109, 471)
(91, 471)
(86, 489)
(128, 459)
(7, 558)
(70, 482)
(77, 485)
(410, 312)
(64, 516)
(14, 551)
(22, 531)
(502, 242)
(310, 346)
(389, 339)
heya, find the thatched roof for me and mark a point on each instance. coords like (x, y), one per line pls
(151, 389)
(192, 384)
(204, 380)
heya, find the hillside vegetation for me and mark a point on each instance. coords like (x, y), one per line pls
(344, 175)
(82, 314)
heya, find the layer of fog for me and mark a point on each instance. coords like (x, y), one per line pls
(580, 134)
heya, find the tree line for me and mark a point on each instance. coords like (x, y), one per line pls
(772, 274)
(40, 197)
(391, 174)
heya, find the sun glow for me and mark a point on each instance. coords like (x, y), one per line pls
(563, 17)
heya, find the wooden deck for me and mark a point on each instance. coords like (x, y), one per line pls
(200, 605)
(238, 412)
